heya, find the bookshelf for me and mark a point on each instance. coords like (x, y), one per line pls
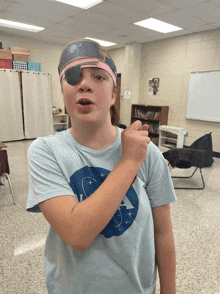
(154, 116)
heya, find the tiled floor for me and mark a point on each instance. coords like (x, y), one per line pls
(196, 220)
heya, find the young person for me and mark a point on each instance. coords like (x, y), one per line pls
(105, 191)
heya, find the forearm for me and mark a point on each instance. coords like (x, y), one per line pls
(166, 262)
(93, 214)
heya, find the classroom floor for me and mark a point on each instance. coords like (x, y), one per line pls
(195, 216)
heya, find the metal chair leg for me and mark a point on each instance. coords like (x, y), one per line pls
(3, 183)
(186, 177)
(189, 178)
(12, 193)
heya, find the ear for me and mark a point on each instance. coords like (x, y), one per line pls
(114, 92)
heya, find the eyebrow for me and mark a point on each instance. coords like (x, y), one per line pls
(102, 70)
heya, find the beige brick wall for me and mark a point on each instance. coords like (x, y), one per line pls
(172, 60)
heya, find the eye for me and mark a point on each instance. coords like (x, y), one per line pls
(99, 77)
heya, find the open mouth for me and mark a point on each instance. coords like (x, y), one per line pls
(84, 102)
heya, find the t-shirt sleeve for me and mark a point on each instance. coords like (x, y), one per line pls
(46, 177)
(159, 185)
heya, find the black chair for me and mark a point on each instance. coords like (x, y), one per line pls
(122, 126)
(199, 154)
(4, 169)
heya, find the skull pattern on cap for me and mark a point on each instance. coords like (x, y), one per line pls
(84, 53)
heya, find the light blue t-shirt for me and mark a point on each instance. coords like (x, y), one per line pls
(121, 259)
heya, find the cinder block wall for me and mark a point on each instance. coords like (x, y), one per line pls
(172, 60)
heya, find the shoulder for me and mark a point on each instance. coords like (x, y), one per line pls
(46, 144)
(154, 153)
(154, 164)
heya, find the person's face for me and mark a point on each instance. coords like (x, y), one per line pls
(95, 85)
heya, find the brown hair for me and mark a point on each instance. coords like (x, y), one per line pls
(115, 120)
(114, 115)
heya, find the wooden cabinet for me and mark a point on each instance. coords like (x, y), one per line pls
(154, 116)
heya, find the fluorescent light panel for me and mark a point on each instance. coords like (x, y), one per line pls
(20, 26)
(157, 25)
(85, 4)
(102, 43)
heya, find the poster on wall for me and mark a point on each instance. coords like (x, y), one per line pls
(153, 87)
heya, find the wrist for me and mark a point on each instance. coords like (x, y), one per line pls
(131, 165)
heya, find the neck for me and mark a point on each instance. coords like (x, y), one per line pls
(94, 136)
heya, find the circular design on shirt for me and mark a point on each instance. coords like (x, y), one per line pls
(87, 180)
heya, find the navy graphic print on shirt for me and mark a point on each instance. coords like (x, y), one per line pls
(87, 180)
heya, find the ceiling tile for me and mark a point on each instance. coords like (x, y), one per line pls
(27, 19)
(206, 12)
(98, 19)
(132, 29)
(215, 2)
(179, 3)
(216, 24)
(74, 33)
(111, 20)
(202, 28)
(52, 6)
(17, 33)
(59, 30)
(54, 39)
(5, 3)
(149, 8)
(180, 19)
(117, 12)
(84, 27)
(34, 11)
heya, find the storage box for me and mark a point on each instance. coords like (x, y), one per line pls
(20, 50)
(5, 54)
(34, 66)
(6, 63)
(21, 65)
(20, 57)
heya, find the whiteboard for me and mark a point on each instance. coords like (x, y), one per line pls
(204, 96)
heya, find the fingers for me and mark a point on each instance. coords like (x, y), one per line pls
(135, 126)
(143, 133)
(145, 127)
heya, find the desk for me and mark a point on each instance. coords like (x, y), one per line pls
(171, 137)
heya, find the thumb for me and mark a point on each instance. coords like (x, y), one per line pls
(145, 127)
(135, 126)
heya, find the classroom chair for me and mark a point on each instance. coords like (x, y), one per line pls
(198, 155)
(4, 169)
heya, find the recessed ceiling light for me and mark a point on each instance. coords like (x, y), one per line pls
(102, 43)
(157, 25)
(85, 4)
(20, 26)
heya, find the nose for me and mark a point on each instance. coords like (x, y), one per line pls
(85, 82)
